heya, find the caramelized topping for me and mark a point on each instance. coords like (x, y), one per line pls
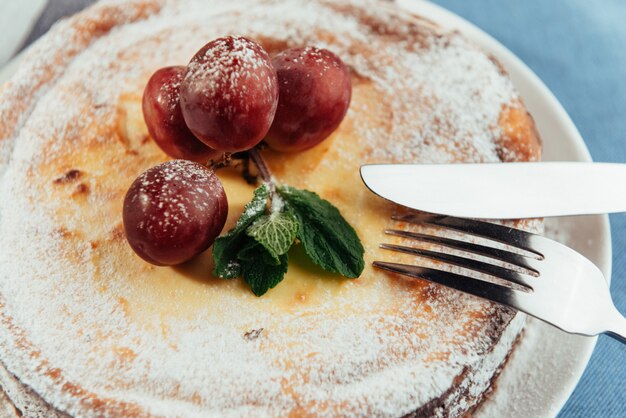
(68, 177)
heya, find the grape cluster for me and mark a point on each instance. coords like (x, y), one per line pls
(229, 98)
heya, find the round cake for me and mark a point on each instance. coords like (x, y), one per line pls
(87, 328)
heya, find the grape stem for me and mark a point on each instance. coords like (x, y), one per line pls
(264, 171)
(253, 155)
(225, 161)
(258, 160)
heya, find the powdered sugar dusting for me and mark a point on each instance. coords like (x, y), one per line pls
(224, 69)
(170, 91)
(66, 274)
(168, 192)
(310, 54)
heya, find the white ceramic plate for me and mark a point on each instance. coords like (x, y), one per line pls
(546, 366)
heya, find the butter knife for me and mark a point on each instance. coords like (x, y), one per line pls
(502, 190)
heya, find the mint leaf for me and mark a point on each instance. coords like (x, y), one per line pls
(226, 247)
(253, 209)
(252, 250)
(275, 232)
(249, 249)
(327, 237)
(261, 276)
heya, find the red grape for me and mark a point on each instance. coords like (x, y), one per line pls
(161, 111)
(314, 95)
(174, 211)
(229, 94)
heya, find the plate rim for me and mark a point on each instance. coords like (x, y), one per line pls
(449, 20)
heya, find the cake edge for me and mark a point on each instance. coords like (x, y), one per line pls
(27, 403)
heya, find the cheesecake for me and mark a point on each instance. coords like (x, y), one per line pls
(87, 328)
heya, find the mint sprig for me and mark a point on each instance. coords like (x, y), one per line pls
(277, 218)
(328, 239)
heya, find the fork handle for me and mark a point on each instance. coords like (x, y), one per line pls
(618, 328)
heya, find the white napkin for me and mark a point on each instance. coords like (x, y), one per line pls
(17, 18)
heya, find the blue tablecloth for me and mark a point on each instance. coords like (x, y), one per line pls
(577, 47)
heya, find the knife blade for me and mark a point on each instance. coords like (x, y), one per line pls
(502, 190)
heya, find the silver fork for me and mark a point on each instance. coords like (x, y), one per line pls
(557, 285)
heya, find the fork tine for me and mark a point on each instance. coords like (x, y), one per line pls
(479, 266)
(495, 253)
(495, 292)
(500, 233)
